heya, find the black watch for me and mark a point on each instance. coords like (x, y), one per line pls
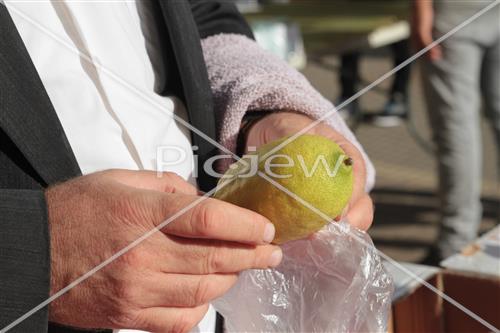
(248, 121)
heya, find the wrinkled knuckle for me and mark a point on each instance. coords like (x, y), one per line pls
(216, 260)
(170, 179)
(132, 260)
(126, 296)
(202, 291)
(183, 323)
(204, 221)
(124, 309)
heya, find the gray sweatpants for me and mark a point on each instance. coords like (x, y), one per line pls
(469, 70)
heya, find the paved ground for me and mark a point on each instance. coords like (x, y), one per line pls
(406, 207)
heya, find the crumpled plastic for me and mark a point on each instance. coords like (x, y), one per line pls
(333, 281)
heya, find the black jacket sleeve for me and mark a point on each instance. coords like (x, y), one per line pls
(215, 17)
(24, 258)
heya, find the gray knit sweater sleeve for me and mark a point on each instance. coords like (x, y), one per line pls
(244, 77)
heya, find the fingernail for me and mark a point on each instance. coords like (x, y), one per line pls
(269, 232)
(275, 258)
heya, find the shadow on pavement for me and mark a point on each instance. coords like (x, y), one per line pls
(407, 220)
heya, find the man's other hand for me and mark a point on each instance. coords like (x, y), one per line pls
(359, 212)
(163, 284)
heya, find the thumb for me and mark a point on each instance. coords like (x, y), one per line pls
(361, 212)
(167, 182)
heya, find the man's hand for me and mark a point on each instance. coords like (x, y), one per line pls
(165, 283)
(277, 125)
(422, 25)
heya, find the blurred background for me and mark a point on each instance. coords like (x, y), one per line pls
(432, 130)
(342, 46)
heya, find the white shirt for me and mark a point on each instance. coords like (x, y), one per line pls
(92, 60)
(93, 63)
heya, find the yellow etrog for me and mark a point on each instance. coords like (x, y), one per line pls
(310, 167)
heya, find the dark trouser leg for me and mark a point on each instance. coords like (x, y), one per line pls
(349, 74)
(451, 87)
(401, 52)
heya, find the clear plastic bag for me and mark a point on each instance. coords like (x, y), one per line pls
(331, 282)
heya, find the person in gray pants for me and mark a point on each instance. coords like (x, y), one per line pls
(456, 74)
